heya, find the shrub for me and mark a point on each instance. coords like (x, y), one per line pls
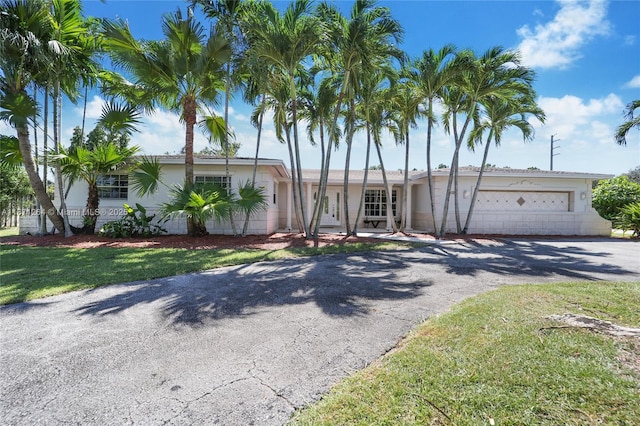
(611, 195)
(135, 223)
(629, 219)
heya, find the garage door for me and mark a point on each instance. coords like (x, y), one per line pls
(523, 201)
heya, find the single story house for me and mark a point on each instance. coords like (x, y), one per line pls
(509, 202)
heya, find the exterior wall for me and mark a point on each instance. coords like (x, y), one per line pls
(526, 219)
(263, 222)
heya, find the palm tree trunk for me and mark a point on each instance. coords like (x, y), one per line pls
(324, 174)
(303, 209)
(390, 216)
(477, 188)
(453, 170)
(405, 188)
(429, 170)
(35, 143)
(364, 182)
(347, 162)
(456, 191)
(57, 114)
(38, 188)
(255, 161)
(294, 180)
(45, 161)
(227, 85)
(189, 112)
(316, 204)
(92, 212)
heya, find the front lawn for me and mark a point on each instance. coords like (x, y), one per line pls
(28, 273)
(497, 359)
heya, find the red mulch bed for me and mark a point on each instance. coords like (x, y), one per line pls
(209, 242)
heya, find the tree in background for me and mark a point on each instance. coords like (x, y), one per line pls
(634, 174)
(630, 123)
(611, 195)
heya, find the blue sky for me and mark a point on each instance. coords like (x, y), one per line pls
(586, 55)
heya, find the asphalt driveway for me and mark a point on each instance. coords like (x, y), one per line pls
(250, 344)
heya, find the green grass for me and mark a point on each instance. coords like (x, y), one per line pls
(28, 273)
(9, 232)
(491, 358)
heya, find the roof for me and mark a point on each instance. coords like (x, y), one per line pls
(508, 172)
(278, 165)
(373, 177)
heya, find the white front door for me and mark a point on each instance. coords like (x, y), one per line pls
(331, 209)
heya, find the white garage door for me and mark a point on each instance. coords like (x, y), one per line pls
(523, 201)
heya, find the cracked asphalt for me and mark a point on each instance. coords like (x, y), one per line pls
(250, 344)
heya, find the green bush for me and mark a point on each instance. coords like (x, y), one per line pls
(611, 195)
(629, 219)
(135, 223)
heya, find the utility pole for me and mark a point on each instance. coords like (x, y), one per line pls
(552, 149)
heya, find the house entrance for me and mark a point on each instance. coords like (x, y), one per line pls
(331, 209)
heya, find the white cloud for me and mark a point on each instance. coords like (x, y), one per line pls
(630, 40)
(634, 83)
(94, 107)
(557, 43)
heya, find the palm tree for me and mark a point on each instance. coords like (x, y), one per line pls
(368, 37)
(624, 128)
(499, 116)
(284, 41)
(25, 31)
(407, 101)
(496, 74)
(70, 55)
(434, 72)
(228, 16)
(373, 110)
(88, 165)
(180, 72)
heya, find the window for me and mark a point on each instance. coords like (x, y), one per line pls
(223, 181)
(113, 186)
(375, 203)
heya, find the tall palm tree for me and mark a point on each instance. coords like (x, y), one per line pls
(434, 72)
(624, 128)
(499, 115)
(285, 41)
(25, 31)
(179, 73)
(373, 111)
(228, 16)
(366, 38)
(70, 54)
(407, 101)
(496, 74)
(318, 104)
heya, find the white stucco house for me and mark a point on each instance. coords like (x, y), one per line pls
(510, 201)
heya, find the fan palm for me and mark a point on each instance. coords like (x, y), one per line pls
(88, 165)
(198, 203)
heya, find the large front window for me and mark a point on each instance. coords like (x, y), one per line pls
(222, 181)
(114, 187)
(375, 203)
